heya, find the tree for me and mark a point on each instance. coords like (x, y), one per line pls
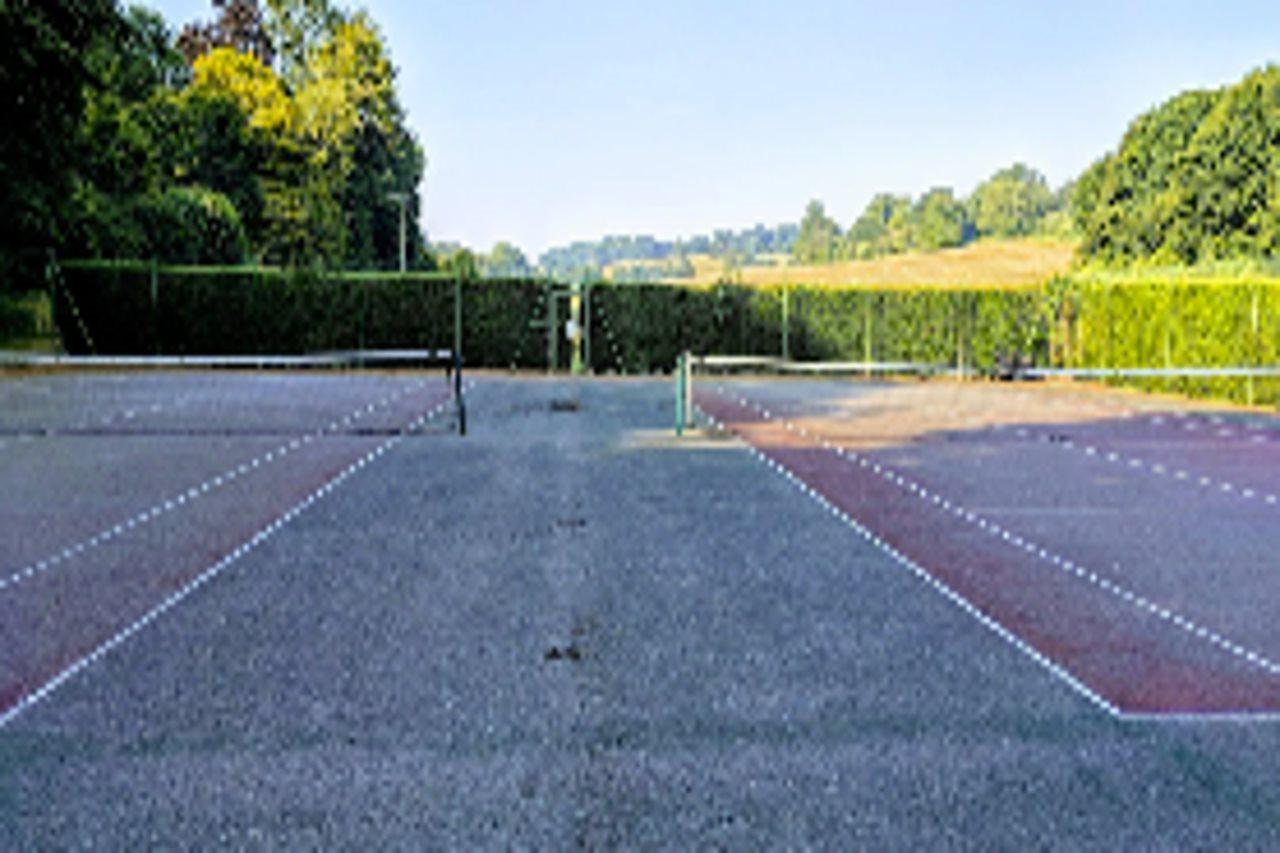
(1222, 199)
(191, 225)
(816, 243)
(1115, 200)
(298, 28)
(870, 233)
(238, 26)
(44, 76)
(351, 86)
(1011, 203)
(939, 220)
(505, 261)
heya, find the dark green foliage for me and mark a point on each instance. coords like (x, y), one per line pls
(205, 141)
(15, 320)
(192, 225)
(44, 74)
(1193, 181)
(134, 308)
(137, 308)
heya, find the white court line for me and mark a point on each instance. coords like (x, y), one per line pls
(1055, 669)
(1141, 603)
(44, 691)
(1157, 469)
(1127, 460)
(168, 504)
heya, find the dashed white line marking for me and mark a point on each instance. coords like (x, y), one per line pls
(1129, 596)
(165, 505)
(44, 691)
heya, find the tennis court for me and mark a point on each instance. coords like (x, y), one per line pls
(281, 608)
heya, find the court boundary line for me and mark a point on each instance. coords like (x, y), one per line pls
(945, 590)
(1139, 602)
(1102, 451)
(1068, 567)
(166, 505)
(104, 648)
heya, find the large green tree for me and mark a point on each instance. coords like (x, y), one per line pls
(939, 220)
(1011, 203)
(1120, 202)
(870, 233)
(45, 72)
(505, 261)
(816, 243)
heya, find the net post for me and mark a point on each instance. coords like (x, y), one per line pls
(688, 388)
(458, 399)
(682, 391)
(155, 305)
(586, 328)
(553, 331)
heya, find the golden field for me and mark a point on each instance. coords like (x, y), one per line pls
(989, 263)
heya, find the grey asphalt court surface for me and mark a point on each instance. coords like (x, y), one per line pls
(566, 630)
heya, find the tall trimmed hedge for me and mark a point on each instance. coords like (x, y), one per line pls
(1161, 323)
(135, 308)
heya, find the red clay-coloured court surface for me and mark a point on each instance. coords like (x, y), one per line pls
(1129, 546)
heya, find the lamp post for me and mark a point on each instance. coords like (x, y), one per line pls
(403, 198)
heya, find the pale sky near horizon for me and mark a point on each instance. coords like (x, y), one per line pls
(546, 121)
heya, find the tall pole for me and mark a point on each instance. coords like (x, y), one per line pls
(457, 353)
(403, 198)
(786, 322)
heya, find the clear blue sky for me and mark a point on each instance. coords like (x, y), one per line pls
(546, 121)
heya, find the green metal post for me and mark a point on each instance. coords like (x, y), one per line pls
(575, 318)
(866, 333)
(682, 378)
(553, 331)
(364, 311)
(586, 327)
(1253, 338)
(457, 316)
(459, 399)
(155, 305)
(786, 322)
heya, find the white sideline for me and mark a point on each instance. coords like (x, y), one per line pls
(1066, 566)
(169, 504)
(45, 690)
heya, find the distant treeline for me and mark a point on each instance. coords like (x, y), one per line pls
(586, 259)
(1014, 202)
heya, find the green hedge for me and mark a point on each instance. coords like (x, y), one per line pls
(1180, 323)
(939, 326)
(1083, 321)
(135, 308)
